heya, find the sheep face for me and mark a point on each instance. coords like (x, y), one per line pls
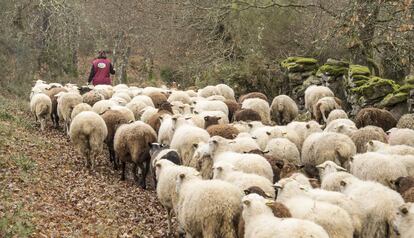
(404, 221)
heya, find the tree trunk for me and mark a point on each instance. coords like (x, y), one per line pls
(122, 77)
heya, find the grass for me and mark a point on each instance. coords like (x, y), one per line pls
(15, 222)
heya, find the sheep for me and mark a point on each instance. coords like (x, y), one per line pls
(92, 97)
(260, 106)
(304, 129)
(39, 87)
(211, 120)
(233, 106)
(88, 132)
(211, 106)
(66, 103)
(377, 167)
(343, 126)
(403, 224)
(336, 114)
(155, 120)
(147, 113)
(160, 152)
(125, 111)
(123, 94)
(207, 208)
(401, 137)
(131, 144)
(377, 202)
(406, 121)
(80, 108)
(223, 118)
(148, 90)
(103, 105)
(168, 127)
(313, 93)
(52, 94)
(364, 135)
(384, 148)
(136, 107)
(246, 115)
(375, 117)
(283, 109)
(144, 99)
(323, 107)
(225, 91)
(240, 145)
(166, 174)
(41, 107)
(207, 91)
(405, 187)
(225, 171)
(226, 131)
(292, 188)
(216, 98)
(248, 163)
(331, 175)
(282, 149)
(320, 147)
(286, 132)
(181, 108)
(260, 222)
(252, 95)
(186, 139)
(321, 213)
(179, 96)
(262, 135)
(106, 90)
(158, 99)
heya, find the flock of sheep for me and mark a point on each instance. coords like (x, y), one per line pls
(228, 168)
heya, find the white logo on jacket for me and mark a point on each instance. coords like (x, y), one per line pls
(101, 65)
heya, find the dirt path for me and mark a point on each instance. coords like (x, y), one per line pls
(46, 192)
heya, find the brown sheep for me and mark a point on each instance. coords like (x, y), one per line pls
(405, 186)
(132, 143)
(227, 131)
(113, 119)
(278, 209)
(166, 106)
(158, 99)
(276, 164)
(252, 95)
(211, 120)
(92, 97)
(54, 115)
(375, 117)
(155, 120)
(247, 115)
(363, 135)
(406, 121)
(233, 106)
(323, 107)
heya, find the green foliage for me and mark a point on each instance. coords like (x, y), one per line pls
(332, 70)
(358, 70)
(376, 88)
(299, 64)
(393, 98)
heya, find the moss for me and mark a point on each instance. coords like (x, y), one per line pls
(300, 60)
(360, 78)
(358, 70)
(337, 63)
(376, 88)
(409, 79)
(406, 88)
(393, 98)
(332, 70)
(360, 83)
(299, 64)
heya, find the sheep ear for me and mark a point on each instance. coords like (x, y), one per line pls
(266, 151)
(158, 165)
(182, 176)
(342, 183)
(307, 126)
(246, 202)
(250, 125)
(339, 168)
(195, 146)
(187, 118)
(246, 192)
(254, 137)
(195, 112)
(268, 133)
(174, 119)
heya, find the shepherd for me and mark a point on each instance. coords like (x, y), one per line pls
(101, 70)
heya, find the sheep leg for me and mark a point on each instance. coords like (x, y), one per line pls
(323, 115)
(143, 176)
(88, 160)
(123, 170)
(135, 172)
(169, 221)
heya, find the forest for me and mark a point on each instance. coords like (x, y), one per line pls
(224, 118)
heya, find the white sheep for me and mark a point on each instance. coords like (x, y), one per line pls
(186, 139)
(286, 132)
(119, 101)
(136, 107)
(150, 90)
(179, 96)
(404, 222)
(207, 207)
(320, 147)
(399, 136)
(207, 91)
(283, 109)
(321, 213)
(377, 202)
(124, 95)
(144, 99)
(88, 132)
(331, 175)
(260, 222)
(225, 171)
(225, 91)
(125, 111)
(336, 114)
(82, 107)
(323, 107)
(201, 106)
(343, 126)
(304, 129)
(219, 144)
(377, 167)
(65, 104)
(380, 147)
(41, 107)
(103, 105)
(292, 188)
(283, 149)
(147, 113)
(313, 93)
(260, 106)
(166, 174)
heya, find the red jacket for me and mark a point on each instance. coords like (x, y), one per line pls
(100, 72)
